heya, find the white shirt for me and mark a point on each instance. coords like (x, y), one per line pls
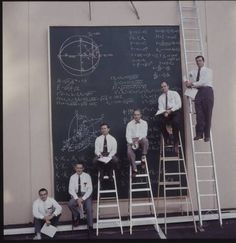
(86, 185)
(111, 145)
(136, 130)
(173, 101)
(46, 208)
(206, 77)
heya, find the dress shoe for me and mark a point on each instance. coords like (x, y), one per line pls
(207, 139)
(76, 223)
(198, 137)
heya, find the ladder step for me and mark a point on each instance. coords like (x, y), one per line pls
(204, 166)
(140, 183)
(202, 152)
(193, 7)
(142, 219)
(141, 175)
(107, 198)
(170, 183)
(141, 190)
(176, 188)
(107, 191)
(193, 28)
(205, 180)
(195, 51)
(141, 204)
(189, 17)
(180, 173)
(209, 209)
(170, 158)
(192, 39)
(108, 205)
(207, 195)
(107, 220)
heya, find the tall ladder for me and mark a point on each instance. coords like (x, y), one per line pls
(105, 202)
(173, 181)
(139, 187)
(193, 46)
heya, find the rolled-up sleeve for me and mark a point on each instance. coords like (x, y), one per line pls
(57, 206)
(72, 190)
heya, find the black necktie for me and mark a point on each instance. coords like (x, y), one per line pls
(105, 147)
(79, 187)
(166, 101)
(198, 74)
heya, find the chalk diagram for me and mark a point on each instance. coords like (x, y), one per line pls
(79, 55)
(82, 133)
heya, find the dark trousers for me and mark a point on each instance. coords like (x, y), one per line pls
(204, 102)
(144, 144)
(106, 167)
(38, 223)
(173, 120)
(73, 206)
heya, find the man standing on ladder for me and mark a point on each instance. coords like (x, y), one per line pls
(202, 79)
(169, 105)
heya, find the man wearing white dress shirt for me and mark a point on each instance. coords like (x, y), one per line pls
(105, 147)
(136, 135)
(80, 189)
(202, 79)
(169, 105)
(45, 210)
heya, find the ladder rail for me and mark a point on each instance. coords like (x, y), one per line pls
(199, 37)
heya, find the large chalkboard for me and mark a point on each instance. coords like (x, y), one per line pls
(100, 74)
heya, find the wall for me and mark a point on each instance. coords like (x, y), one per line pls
(26, 116)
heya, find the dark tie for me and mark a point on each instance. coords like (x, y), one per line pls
(166, 101)
(198, 74)
(105, 147)
(79, 187)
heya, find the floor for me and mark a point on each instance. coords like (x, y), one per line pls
(211, 230)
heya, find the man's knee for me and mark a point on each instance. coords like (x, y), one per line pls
(71, 203)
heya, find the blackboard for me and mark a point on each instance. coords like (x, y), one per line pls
(101, 74)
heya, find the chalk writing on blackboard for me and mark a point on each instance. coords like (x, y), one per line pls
(79, 55)
(82, 132)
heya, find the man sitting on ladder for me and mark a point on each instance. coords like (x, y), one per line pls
(105, 150)
(169, 105)
(201, 79)
(136, 135)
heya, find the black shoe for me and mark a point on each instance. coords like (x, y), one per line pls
(90, 232)
(207, 139)
(76, 223)
(198, 137)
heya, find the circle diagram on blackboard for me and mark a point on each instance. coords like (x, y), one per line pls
(79, 55)
(82, 133)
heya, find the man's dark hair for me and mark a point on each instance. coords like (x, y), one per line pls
(42, 190)
(164, 82)
(137, 109)
(79, 162)
(104, 124)
(200, 56)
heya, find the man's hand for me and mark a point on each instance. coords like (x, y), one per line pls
(47, 219)
(80, 202)
(188, 84)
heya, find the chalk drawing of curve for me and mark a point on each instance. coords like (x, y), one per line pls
(79, 55)
(82, 133)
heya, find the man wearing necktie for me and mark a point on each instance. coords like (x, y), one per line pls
(202, 79)
(80, 189)
(136, 136)
(105, 160)
(169, 105)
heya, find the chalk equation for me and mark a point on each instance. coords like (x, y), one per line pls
(82, 133)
